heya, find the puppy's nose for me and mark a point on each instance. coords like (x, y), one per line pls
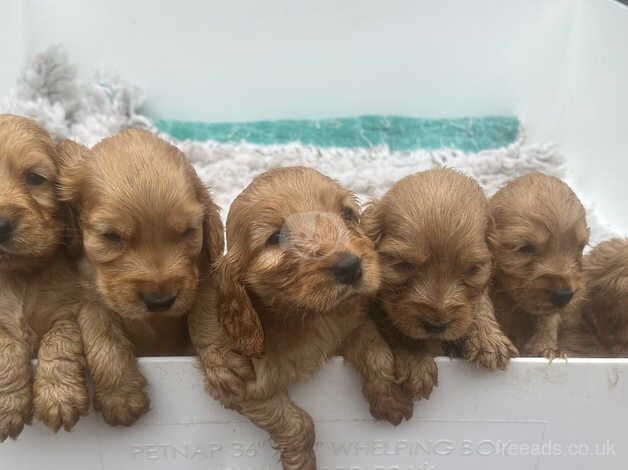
(158, 301)
(6, 230)
(433, 328)
(348, 268)
(561, 297)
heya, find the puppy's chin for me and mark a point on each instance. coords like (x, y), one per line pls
(408, 321)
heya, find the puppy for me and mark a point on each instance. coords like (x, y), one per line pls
(292, 292)
(430, 232)
(38, 301)
(600, 327)
(538, 236)
(149, 231)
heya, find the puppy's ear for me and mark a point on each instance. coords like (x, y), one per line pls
(70, 159)
(213, 230)
(372, 221)
(235, 310)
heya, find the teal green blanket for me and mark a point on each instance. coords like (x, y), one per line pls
(398, 133)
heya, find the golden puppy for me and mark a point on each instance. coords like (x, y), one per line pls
(38, 301)
(600, 327)
(292, 292)
(539, 233)
(430, 232)
(149, 231)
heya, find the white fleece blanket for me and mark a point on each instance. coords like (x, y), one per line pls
(87, 111)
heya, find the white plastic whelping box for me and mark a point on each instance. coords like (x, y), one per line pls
(560, 65)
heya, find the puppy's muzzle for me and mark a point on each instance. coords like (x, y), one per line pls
(158, 301)
(434, 328)
(560, 297)
(347, 269)
(6, 230)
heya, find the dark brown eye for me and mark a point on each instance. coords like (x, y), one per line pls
(34, 179)
(527, 249)
(405, 267)
(348, 214)
(112, 237)
(274, 239)
(188, 232)
(473, 270)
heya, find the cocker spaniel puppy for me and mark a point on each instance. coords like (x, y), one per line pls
(149, 231)
(430, 232)
(292, 292)
(600, 327)
(38, 298)
(538, 236)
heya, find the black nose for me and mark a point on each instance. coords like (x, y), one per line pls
(434, 328)
(6, 230)
(158, 301)
(561, 297)
(348, 268)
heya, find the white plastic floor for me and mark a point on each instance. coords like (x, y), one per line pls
(535, 416)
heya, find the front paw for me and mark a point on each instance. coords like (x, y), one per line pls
(492, 352)
(389, 401)
(59, 405)
(417, 375)
(227, 373)
(547, 350)
(16, 410)
(122, 407)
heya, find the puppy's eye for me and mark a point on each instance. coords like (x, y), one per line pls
(275, 238)
(527, 249)
(473, 270)
(405, 267)
(188, 232)
(348, 214)
(34, 179)
(112, 237)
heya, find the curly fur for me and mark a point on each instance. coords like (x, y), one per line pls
(147, 225)
(538, 237)
(281, 311)
(38, 300)
(600, 327)
(430, 232)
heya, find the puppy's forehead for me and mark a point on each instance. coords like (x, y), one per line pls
(280, 193)
(140, 173)
(24, 144)
(539, 202)
(438, 205)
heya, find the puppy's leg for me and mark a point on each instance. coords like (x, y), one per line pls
(485, 344)
(417, 372)
(544, 342)
(60, 388)
(226, 371)
(370, 355)
(119, 384)
(289, 426)
(16, 391)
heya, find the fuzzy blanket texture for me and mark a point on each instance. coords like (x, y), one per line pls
(50, 91)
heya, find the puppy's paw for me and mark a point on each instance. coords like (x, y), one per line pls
(59, 405)
(547, 351)
(16, 410)
(389, 401)
(122, 407)
(418, 375)
(227, 372)
(492, 352)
